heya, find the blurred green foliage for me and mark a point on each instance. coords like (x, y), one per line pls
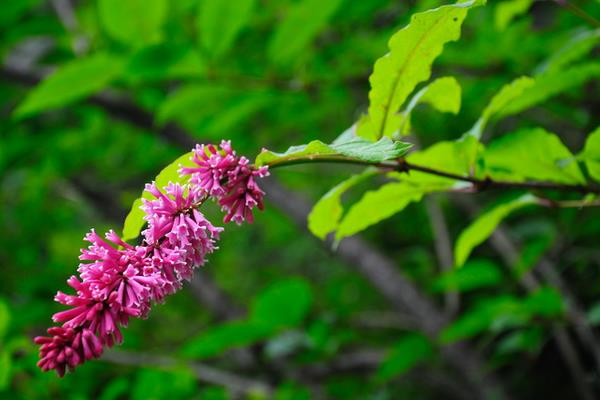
(271, 74)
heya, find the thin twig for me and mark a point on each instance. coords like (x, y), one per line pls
(402, 165)
(576, 10)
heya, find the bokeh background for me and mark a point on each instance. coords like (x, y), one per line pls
(274, 73)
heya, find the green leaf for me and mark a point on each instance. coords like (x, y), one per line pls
(133, 22)
(474, 275)
(406, 354)
(4, 318)
(526, 340)
(593, 315)
(164, 61)
(545, 302)
(447, 156)
(443, 94)
(283, 304)
(191, 99)
(325, 215)
(356, 148)
(495, 313)
(549, 85)
(483, 227)
(412, 52)
(220, 22)
(292, 391)
(506, 11)
(217, 340)
(71, 82)
(154, 382)
(591, 154)
(579, 46)
(534, 154)
(303, 22)
(135, 218)
(377, 205)
(5, 369)
(499, 102)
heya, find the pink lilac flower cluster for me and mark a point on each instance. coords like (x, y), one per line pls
(228, 178)
(117, 280)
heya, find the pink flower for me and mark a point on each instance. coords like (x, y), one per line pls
(118, 281)
(228, 178)
(179, 235)
(67, 348)
(243, 193)
(124, 271)
(213, 167)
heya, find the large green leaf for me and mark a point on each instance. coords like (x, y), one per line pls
(377, 205)
(135, 218)
(412, 52)
(534, 154)
(325, 215)
(220, 338)
(580, 45)
(443, 94)
(499, 102)
(549, 85)
(219, 23)
(283, 304)
(133, 22)
(407, 353)
(591, 154)
(355, 148)
(484, 226)
(474, 275)
(71, 82)
(304, 20)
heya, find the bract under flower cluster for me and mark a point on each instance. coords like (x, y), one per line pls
(117, 280)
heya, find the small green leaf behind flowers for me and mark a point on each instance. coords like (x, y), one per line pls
(134, 221)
